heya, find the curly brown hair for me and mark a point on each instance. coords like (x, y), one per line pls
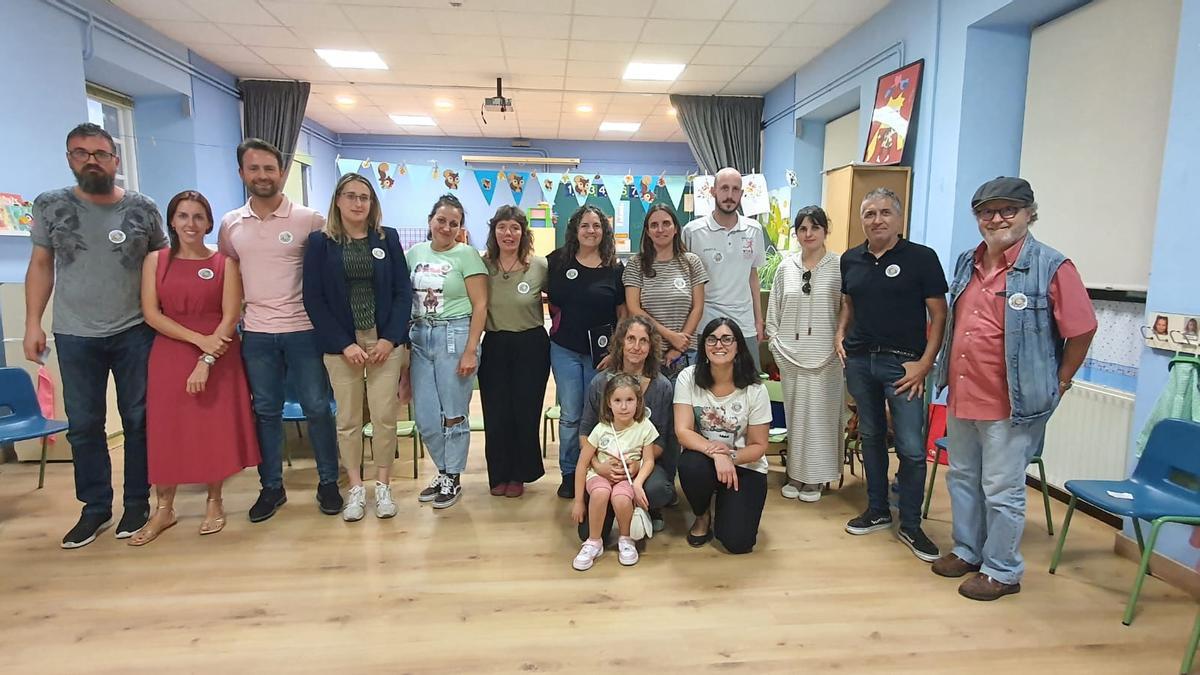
(617, 346)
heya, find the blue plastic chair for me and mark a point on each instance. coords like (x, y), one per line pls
(292, 412)
(21, 417)
(1165, 486)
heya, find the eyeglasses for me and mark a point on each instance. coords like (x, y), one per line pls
(712, 340)
(807, 287)
(352, 198)
(81, 155)
(1006, 212)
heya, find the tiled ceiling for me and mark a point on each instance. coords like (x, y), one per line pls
(554, 56)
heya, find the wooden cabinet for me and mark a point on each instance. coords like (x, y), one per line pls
(845, 187)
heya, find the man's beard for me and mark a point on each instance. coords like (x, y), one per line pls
(95, 182)
(729, 211)
(259, 190)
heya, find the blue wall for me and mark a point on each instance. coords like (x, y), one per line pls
(1173, 263)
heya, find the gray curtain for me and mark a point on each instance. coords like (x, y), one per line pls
(273, 111)
(722, 130)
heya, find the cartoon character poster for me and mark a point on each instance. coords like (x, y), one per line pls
(896, 99)
(429, 283)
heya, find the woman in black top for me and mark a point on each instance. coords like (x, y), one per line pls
(587, 300)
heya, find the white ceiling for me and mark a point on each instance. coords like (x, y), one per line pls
(554, 55)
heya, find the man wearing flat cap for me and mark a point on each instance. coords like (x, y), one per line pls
(1019, 326)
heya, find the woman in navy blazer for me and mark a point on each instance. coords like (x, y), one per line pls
(358, 296)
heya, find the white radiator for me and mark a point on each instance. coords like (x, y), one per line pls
(1088, 436)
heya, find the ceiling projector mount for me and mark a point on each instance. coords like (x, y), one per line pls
(496, 103)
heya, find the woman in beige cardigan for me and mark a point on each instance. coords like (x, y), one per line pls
(802, 316)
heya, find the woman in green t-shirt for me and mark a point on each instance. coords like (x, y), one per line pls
(515, 363)
(449, 309)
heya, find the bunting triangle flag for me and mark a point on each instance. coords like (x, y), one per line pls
(674, 186)
(384, 175)
(419, 175)
(487, 183)
(549, 187)
(615, 185)
(580, 186)
(345, 166)
(598, 196)
(517, 180)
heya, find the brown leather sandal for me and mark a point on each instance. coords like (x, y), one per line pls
(148, 534)
(214, 525)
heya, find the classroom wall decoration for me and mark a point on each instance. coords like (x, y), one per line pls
(896, 96)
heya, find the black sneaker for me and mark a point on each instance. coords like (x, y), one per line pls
(329, 499)
(450, 492)
(85, 531)
(921, 546)
(656, 520)
(567, 489)
(431, 492)
(269, 501)
(869, 522)
(132, 520)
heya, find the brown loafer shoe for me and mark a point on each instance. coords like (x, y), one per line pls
(984, 588)
(952, 566)
(514, 490)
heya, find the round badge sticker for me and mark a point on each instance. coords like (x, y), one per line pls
(572, 274)
(680, 284)
(606, 442)
(718, 257)
(737, 407)
(378, 253)
(285, 237)
(116, 236)
(204, 273)
(647, 412)
(1018, 301)
(892, 271)
(602, 341)
(523, 287)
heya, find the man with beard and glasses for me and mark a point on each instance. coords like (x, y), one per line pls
(732, 249)
(267, 236)
(1019, 309)
(89, 242)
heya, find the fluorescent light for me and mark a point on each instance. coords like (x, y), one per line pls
(345, 100)
(444, 104)
(341, 58)
(583, 108)
(413, 120)
(620, 126)
(665, 72)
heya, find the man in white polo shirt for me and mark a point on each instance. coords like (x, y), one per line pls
(732, 248)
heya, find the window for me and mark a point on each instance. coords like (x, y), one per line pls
(114, 113)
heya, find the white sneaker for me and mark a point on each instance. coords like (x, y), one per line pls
(811, 493)
(790, 491)
(384, 506)
(587, 555)
(356, 499)
(627, 551)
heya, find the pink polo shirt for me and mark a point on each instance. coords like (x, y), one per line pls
(271, 254)
(978, 376)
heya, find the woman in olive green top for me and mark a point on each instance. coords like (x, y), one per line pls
(515, 364)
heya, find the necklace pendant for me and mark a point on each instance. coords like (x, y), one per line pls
(506, 275)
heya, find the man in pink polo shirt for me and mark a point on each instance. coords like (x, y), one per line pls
(267, 236)
(1019, 326)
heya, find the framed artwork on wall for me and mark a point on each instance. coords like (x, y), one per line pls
(897, 95)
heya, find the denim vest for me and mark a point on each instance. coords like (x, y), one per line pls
(1032, 345)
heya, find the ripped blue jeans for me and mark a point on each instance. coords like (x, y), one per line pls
(439, 394)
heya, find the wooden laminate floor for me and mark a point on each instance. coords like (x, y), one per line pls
(487, 586)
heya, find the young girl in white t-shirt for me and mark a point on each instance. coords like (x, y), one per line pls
(624, 432)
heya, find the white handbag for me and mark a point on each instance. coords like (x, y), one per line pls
(640, 527)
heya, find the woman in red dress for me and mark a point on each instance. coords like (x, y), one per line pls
(199, 422)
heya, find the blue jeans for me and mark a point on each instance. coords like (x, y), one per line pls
(439, 394)
(573, 372)
(986, 482)
(869, 379)
(85, 363)
(272, 359)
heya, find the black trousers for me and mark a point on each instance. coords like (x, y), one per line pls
(735, 524)
(513, 371)
(660, 490)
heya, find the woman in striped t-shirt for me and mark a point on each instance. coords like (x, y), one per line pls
(665, 283)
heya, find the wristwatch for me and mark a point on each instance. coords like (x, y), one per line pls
(1065, 384)
(208, 359)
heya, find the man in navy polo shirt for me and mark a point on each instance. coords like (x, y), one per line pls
(890, 331)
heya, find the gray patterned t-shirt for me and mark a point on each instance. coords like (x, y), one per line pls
(98, 254)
